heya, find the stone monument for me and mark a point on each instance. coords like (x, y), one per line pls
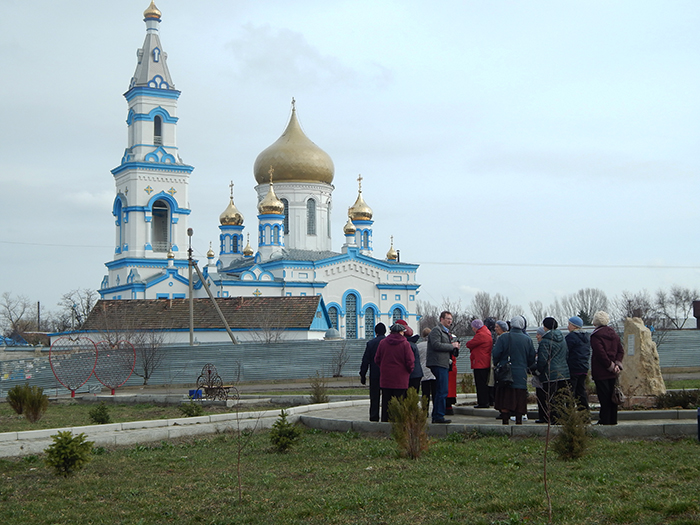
(641, 378)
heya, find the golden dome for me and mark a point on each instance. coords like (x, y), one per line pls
(349, 228)
(152, 12)
(271, 204)
(231, 216)
(360, 211)
(247, 251)
(210, 253)
(392, 254)
(294, 157)
(170, 254)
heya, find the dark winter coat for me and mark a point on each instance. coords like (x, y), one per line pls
(439, 348)
(395, 360)
(579, 345)
(417, 368)
(368, 358)
(606, 348)
(552, 355)
(480, 349)
(519, 346)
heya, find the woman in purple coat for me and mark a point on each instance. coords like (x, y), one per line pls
(606, 365)
(395, 359)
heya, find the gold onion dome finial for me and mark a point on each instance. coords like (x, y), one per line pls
(210, 252)
(360, 211)
(231, 216)
(271, 204)
(392, 254)
(349, 228)
(170, 254)
(247, 251)
(152, 12)
(295, 157)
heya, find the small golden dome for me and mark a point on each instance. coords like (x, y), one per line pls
(152, 12)
(231, 216)
(170, 254)
(210, 253)
(360, 211)
(349, 228)
(294, 157)
(392, 254)
(271, 204)
(247, 251)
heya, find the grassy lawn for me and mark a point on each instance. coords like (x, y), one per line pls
(688, 384)
(348, 478)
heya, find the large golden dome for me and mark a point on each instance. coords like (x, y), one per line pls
(294, 157)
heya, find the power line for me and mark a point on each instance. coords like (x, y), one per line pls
(543, 265)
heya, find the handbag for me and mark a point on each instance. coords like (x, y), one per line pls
(618, 397)
(503, 373)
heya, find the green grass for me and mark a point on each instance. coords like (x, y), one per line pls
(347, 478)
(688, 384)
(69, 414)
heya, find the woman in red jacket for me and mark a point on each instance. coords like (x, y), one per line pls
(396, 361)
(480, 356)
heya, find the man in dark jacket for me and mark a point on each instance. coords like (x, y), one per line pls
(440, 348)
(579, 344)
(368, 363)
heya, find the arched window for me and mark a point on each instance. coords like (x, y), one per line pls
(276, 236)
(351, 316)
(311, 217)
(234, 244)
(157, 130)
(396, 315)
(369, 323)
(286, 215)
(365, 240)
(333, 314)
(160, 225)
(120, 225)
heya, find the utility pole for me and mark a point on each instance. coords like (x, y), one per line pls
(190, 264)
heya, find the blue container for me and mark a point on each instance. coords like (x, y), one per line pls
(196, 394)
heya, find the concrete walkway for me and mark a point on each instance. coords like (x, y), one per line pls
(349, 414)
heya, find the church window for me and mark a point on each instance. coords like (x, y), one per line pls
(234, 244)
(157, 130)
(276, 237)
(351, 316)
(311, 217)
(160, 227)
(365, 240)
(396, 315)
(333, 314)
(369, 323)
(120, 225)
(285, 221)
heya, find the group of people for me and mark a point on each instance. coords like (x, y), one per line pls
(400, 361)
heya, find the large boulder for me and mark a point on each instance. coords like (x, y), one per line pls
(641, 375)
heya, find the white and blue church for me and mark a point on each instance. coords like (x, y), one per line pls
(294, 185)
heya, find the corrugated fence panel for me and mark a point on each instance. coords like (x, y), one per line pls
(269, 362)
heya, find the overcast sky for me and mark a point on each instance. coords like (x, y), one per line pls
(523, 148)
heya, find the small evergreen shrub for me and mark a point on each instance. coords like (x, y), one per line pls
(100, 414)
(679, 398)
(68, 453)
(191, 409)
(319, 389)
(467, 384)
(16, 397)
(35, 403)
(572, 440)
(284, 434)
(409, 423)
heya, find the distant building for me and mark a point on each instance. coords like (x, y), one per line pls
(294, 256)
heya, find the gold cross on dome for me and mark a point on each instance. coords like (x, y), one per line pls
(231, 186)
(272, 170)
(294, 104)
(359, 182)
(257, 292)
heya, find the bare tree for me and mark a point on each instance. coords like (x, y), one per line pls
(77, 305)
(483, 305)
(429, 314)
(339, 359)
(584, 303)
(461, 320)
(264, 324)
(538, 311)
(638, 304)
(150, 352)
(15, 315)
(675, 306)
